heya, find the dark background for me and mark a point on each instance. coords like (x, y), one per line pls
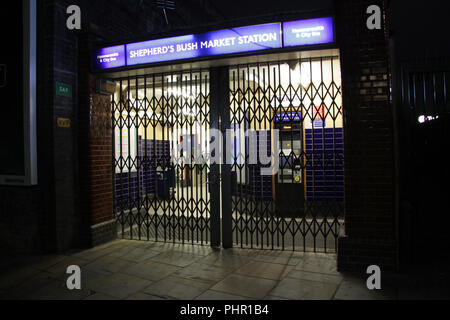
(11, 96)
(420, 28)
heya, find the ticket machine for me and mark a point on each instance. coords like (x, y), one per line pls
(290, 188)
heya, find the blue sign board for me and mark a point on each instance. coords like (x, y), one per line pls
(318, 123)
(308, 32)
(222, 42)
(110, 57)
(246, 39)
(289, 116)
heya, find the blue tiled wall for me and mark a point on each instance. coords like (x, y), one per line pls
(325, 169)
(259, 187)
(127, 185)
(324, 181)
(324, 150)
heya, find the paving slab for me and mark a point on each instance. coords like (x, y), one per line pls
(175, 258)
(57, 290)
(120, 251)
(265, 270)
(150, 270)
(90, 277)
(203, 272)
(226, 260)
(193, 249)
(108, 264)
(318, 265)
(139, 255)
(16, 277)
(26, 288)
(295, 289)
(251, 287)
(275, 298)
(60, 269)
(93, 254)
(220, 296)
(312, 276)
(120, 285)
(100, 296)
(276, 256)
(174, 288)
(140, 296)
(353, 288)
(47, 261)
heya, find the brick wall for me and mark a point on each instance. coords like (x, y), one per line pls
(27, 213)
(94, 152)
(56, 215)
(369, 180)
(74, 196)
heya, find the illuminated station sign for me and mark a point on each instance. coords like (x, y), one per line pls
(308, 32)
(217, 43)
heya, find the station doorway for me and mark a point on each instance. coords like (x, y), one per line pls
(166, 187)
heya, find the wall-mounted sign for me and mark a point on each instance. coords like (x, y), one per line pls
(308, 32)
(63, 89)
(289, 116)
(318, 120)
(110, 57)
(246, 39)
(222, 42)
(63, 123)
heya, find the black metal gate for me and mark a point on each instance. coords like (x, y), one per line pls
(293, 109)
(423, 121)
(289, 112)
(159, 192)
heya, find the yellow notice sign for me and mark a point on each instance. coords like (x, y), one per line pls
(63, 123)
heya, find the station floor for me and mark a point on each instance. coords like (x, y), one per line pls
(132, 270)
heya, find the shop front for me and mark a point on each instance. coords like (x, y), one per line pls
(229, 137)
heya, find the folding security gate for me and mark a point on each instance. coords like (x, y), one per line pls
(281, 183)
(294, 109)
(155, 195)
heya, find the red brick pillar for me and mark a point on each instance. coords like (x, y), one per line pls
(102, 220)
(95, 154)
(369, 161)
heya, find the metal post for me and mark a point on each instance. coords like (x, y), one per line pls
(224, 103)
(214, 178)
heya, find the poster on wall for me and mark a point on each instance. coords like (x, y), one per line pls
(125, 149)
(318, 117)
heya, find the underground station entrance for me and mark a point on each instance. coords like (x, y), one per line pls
(277, 121)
